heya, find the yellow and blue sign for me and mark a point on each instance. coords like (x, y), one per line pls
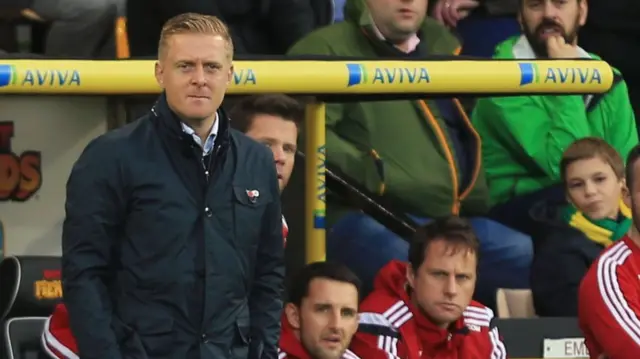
(530, 74)
(7, 75)
(483, 77)
(31, 77)
(359, 74)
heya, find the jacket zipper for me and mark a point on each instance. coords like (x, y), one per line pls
(448, 153)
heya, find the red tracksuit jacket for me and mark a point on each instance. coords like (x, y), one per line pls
(609, 303)
(392, 328)
(57, 338)
(291, 348)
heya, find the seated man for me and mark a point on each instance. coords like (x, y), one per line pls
(524, 137)
(419, 157)
(423, 309)
(322, 313)
(270, 119)
(608, 300)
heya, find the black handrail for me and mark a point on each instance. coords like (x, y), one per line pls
(358, 198)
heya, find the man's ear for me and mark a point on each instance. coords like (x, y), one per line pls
(293, 315)
(411, 277)
(584, 11)
(230, 76)
(158, 71)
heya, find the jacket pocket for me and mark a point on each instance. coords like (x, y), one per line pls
(248, 210)
(156, 334)
(242, 341)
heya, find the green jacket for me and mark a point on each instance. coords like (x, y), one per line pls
(523, 137)
(399, 150)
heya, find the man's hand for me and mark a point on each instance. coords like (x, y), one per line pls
(449, 12)
(557, 48)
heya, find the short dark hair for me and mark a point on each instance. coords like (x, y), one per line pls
(632, 158)
(453, 230)
(246, 109)
(299, 288)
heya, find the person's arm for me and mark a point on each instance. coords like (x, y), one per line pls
(358, 164)
(290, 21)
(535, 129)
(611, 306)
(95, 213)
(376, 338)
(497, 349)
(265, 300)
(622, 120)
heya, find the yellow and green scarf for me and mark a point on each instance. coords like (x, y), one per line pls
(603, 231)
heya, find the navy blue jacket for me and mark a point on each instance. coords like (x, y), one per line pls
(562, 257)
(161, 261)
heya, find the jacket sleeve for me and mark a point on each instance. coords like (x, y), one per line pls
(95, 210)
(497, 349)
(359, 164)
(622, 121)
(610, 309)
(376, 339)
(265, 301)
(535, 128)
(290, 21)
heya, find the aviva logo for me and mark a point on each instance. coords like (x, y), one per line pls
(359, 75)
(7, 75)
(530, 74)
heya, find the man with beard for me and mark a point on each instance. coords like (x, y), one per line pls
(608, 301)
(321, 316)
(523, 137)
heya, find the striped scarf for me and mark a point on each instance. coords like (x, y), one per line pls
(602, 231)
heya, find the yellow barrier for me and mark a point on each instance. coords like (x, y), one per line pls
(313, 77)
(318, 77)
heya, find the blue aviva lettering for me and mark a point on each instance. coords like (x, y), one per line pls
(529, 74)
(33, 77)
(244, 77)
(359, 75)
(321, 170)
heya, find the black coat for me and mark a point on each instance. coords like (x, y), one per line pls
(562, 257)
(158, 261)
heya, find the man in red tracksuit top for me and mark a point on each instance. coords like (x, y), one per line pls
(322, 313)
(609, 295)
(423, 309)
(270, 119)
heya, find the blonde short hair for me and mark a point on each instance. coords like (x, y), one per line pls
(192, 23)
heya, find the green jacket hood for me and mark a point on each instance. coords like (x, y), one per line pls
(357, 11)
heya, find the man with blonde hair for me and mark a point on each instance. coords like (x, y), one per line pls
(172, 243)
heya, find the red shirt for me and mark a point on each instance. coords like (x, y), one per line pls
(609, 303)
(291, 348)
(57, 339)
(392, 328)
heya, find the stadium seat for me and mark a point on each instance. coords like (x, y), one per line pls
(22, 338)
(515, 303)
(31, 288)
